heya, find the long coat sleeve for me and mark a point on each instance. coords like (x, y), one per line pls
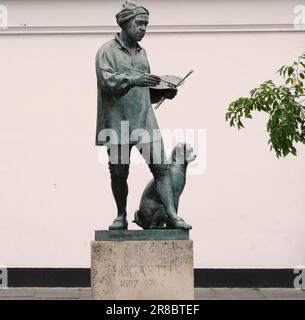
(111, 82)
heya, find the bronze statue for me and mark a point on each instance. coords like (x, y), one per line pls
(125, 99)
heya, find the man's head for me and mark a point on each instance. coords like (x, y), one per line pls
(133, 19)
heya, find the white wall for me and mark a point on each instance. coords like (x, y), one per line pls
(247, 210)
(163, 12)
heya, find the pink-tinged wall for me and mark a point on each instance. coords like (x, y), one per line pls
(246, 206)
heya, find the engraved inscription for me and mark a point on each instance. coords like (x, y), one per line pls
(129, 283)
(135, 271)
(132, 276)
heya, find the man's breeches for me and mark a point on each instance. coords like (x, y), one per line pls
(119, 160)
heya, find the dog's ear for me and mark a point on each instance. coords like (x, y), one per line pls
(189, 153)
(179, 153)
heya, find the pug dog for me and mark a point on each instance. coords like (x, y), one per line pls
(152, 213)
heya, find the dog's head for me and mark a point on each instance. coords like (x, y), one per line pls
(183, 153)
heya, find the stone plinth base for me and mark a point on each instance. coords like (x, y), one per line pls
(142, 269)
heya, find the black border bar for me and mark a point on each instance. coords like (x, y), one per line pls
(203, 278)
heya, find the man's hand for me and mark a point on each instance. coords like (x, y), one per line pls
(170, 93)
(146, 80)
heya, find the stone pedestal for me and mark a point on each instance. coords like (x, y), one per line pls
(124, 266)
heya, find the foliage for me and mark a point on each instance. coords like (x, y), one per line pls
(284, 104)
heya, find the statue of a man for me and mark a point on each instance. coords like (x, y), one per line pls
(125, 102)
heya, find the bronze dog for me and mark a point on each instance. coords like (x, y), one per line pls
(152, 213)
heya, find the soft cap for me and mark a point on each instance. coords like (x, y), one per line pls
(129, 10)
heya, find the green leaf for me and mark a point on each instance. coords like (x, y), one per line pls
(290, 71)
